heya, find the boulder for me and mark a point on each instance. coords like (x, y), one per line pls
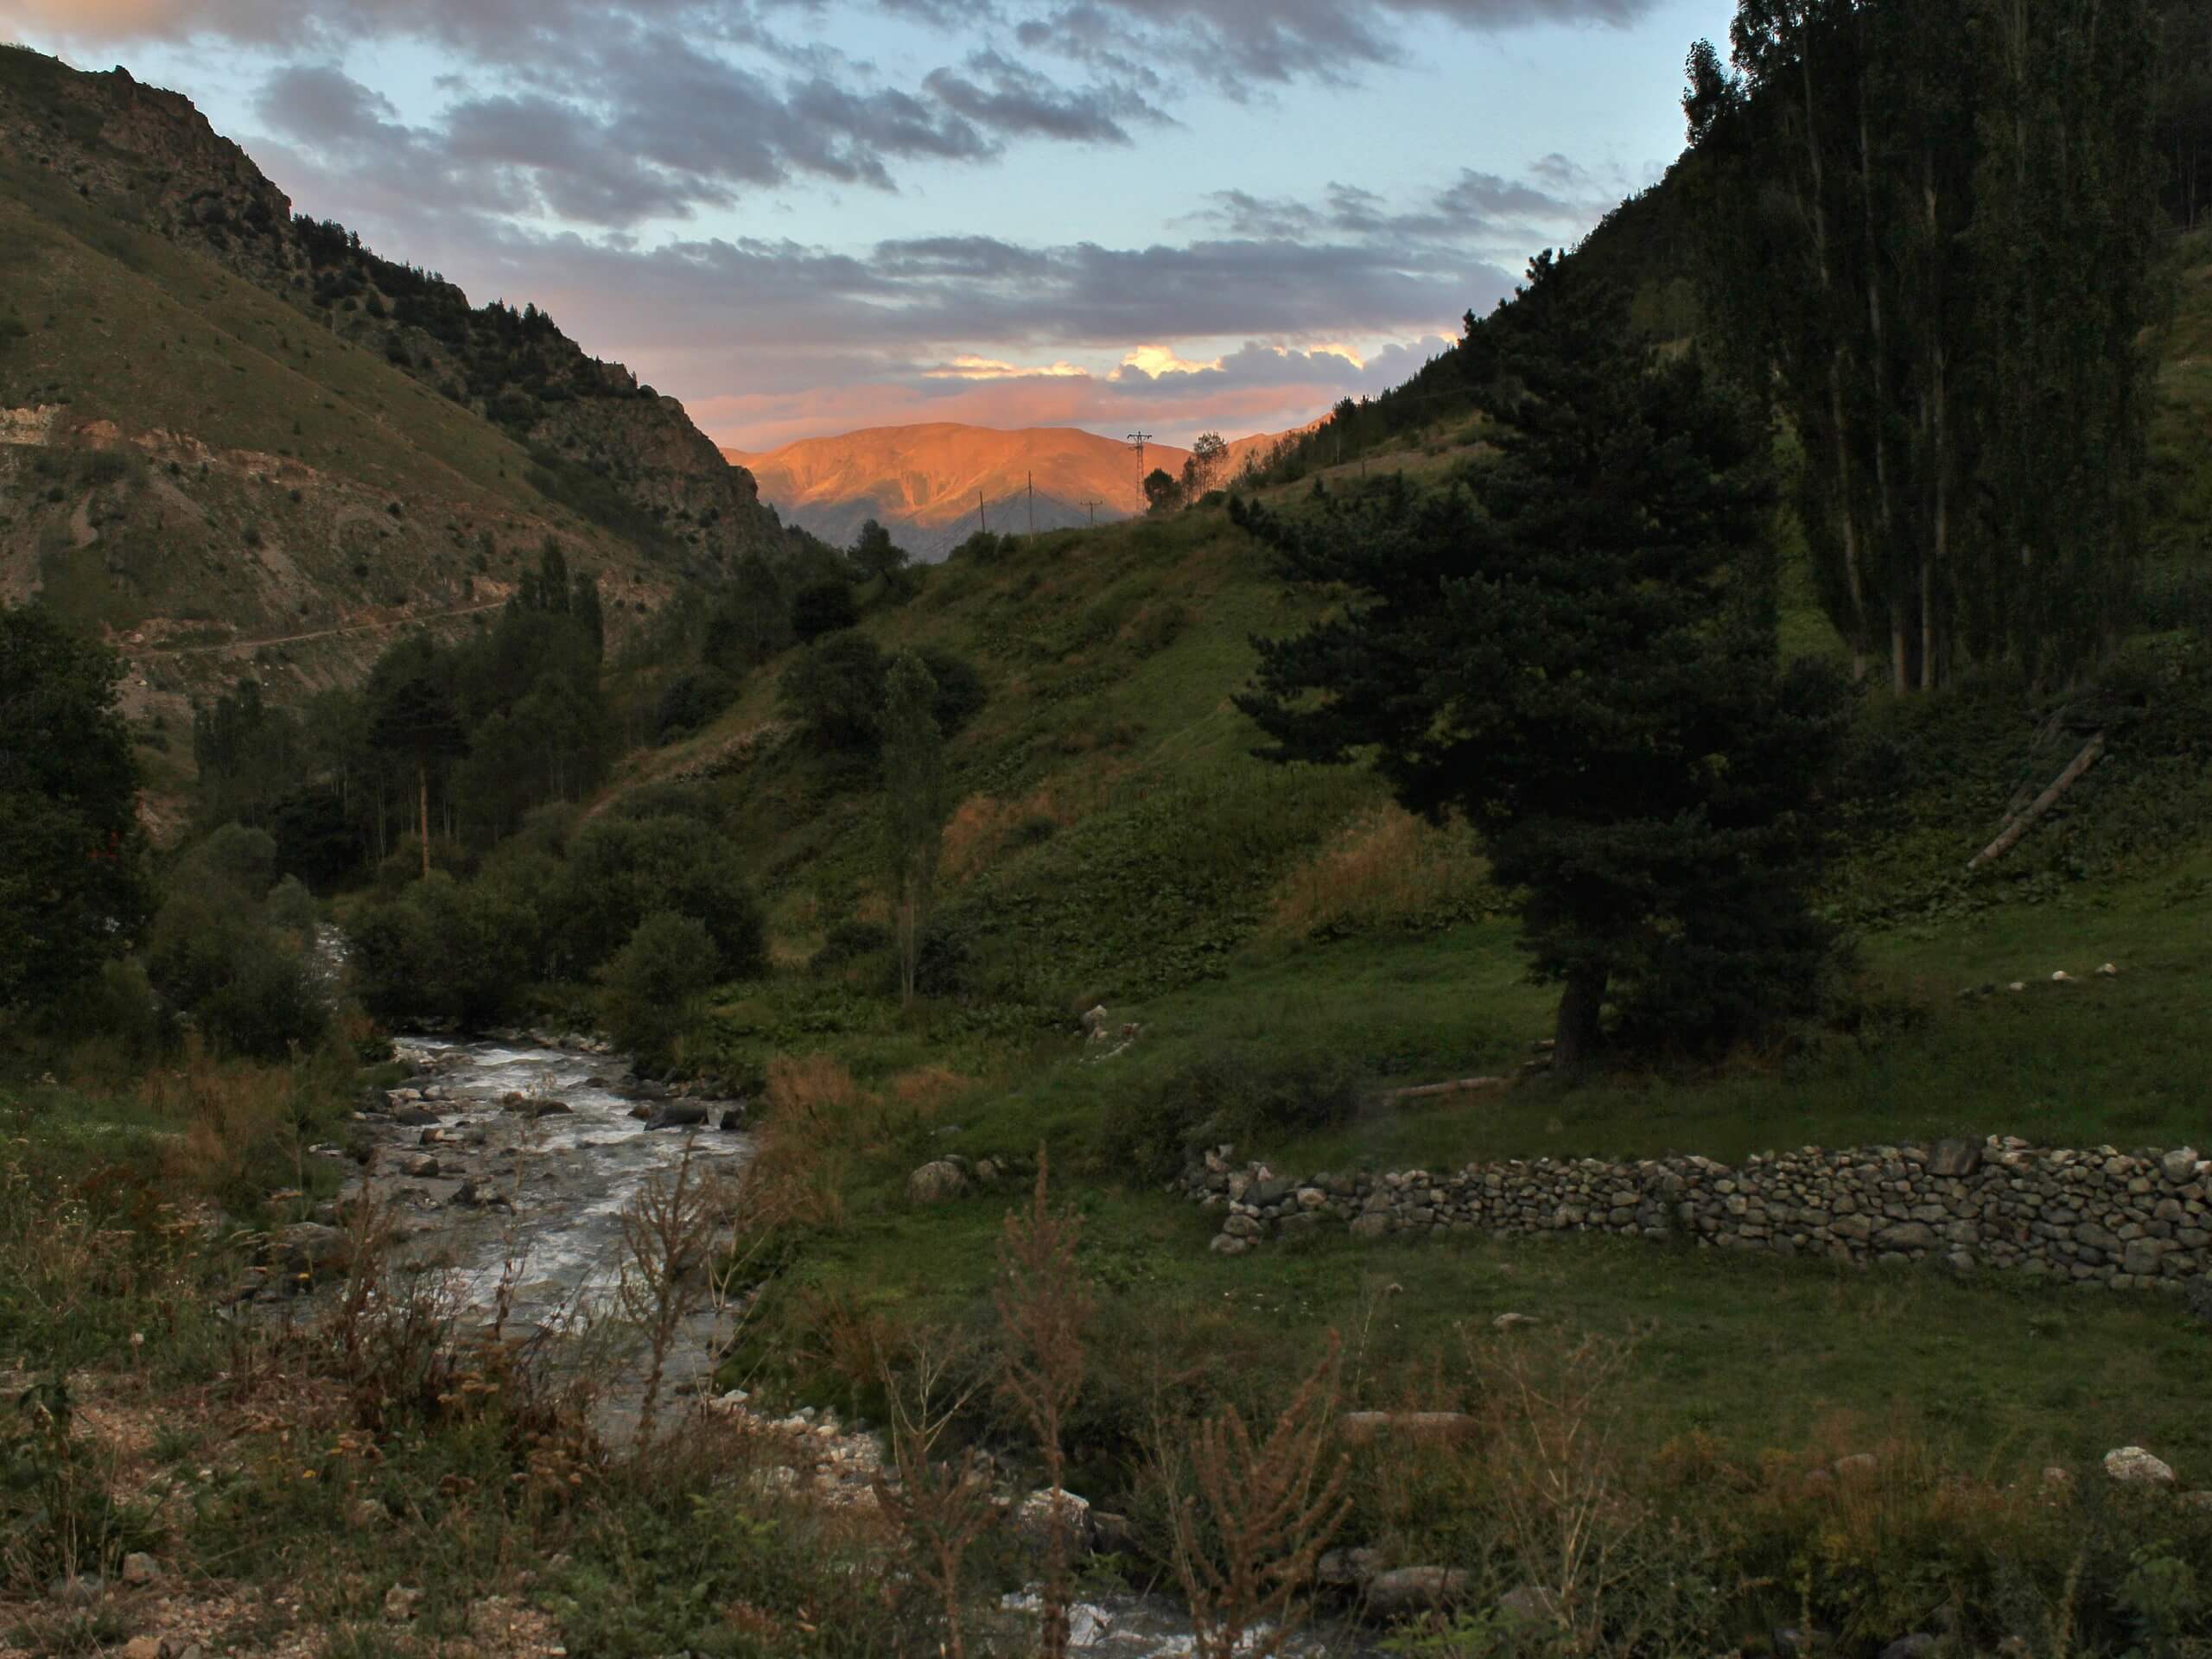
(548, 1108)
(311, 1247)
(2131, 1466)
(419, 1167)
(414, 1117)
(139, 1567)
(731, 1119)
(1407, 1592)
(678, 1115)
(934, 1183)
(1032, 1520)
(1347, 1568)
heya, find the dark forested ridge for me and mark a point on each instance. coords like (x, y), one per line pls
(1945, 234)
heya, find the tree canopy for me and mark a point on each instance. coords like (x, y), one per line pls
(1574, 650)
(73, 889)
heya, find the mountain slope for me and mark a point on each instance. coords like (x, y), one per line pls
(924, 482)
(147, 159)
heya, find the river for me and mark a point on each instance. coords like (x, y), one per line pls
(530, 1198)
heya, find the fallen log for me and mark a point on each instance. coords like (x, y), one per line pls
(1457, 1086)
(2042, 804)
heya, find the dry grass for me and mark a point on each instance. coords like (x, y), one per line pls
(1270, 1508)
(232, 1115)
(981, 826)
(1044, 1308)
(1384, 869)
(804, 1145)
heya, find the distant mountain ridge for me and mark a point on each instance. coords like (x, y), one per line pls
(933, 485)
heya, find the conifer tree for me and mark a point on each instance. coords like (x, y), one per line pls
(1574, 650)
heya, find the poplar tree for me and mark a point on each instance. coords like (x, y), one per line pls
(915, 805)
(1933, 231)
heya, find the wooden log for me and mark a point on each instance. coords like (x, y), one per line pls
(2042, 804)
(1458, 1086)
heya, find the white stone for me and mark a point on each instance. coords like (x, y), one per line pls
(2131, 1466)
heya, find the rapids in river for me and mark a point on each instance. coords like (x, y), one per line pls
(509, 1195)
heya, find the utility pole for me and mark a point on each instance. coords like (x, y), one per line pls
(1092, 508)
(981, 517)
(1033, 503)
(1137, 442)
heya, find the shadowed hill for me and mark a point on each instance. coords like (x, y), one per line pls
(145, 159)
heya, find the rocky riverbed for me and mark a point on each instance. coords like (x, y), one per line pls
(505, 1162)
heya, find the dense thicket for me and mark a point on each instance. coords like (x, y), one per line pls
(1575, 649)
(73, 892)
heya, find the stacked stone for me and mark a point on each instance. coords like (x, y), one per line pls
(2131, 1221)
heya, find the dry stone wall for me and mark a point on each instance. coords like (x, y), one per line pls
(2131, 1221)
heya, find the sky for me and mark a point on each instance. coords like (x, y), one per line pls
(803, 217)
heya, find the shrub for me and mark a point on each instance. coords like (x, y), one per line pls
(960, 693)
(823, 607)
(620, 871)
(846, 942)
(1239, 1095)
(654, 983)
(835, 690)
(268, 1003)
(291, 907)
(248, 991)
(691, 700)
(442, 951)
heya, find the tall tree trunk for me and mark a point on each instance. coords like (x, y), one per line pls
(423, 795)
(1575, 1037)
(1855, 582)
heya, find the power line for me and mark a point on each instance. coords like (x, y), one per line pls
(1092, 508)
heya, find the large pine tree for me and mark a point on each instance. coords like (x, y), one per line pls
(1575, 649)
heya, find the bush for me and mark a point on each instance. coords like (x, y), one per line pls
(1237, 1094)
(268, 1005)
(441, 951)
(248, 989)
(691, 700)
(848, 942)
(292, 908)
(655, 982)
(621, 871)
(823, 607)
(983, 548)
(960, 694)
(835, 690)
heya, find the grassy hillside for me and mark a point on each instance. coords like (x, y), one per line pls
(191, 468)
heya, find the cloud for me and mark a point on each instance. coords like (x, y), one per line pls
(1152, 362)
(1238, 43)
(1018, 102)
(968, 366)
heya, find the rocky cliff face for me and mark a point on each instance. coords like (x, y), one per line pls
(618, 453)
